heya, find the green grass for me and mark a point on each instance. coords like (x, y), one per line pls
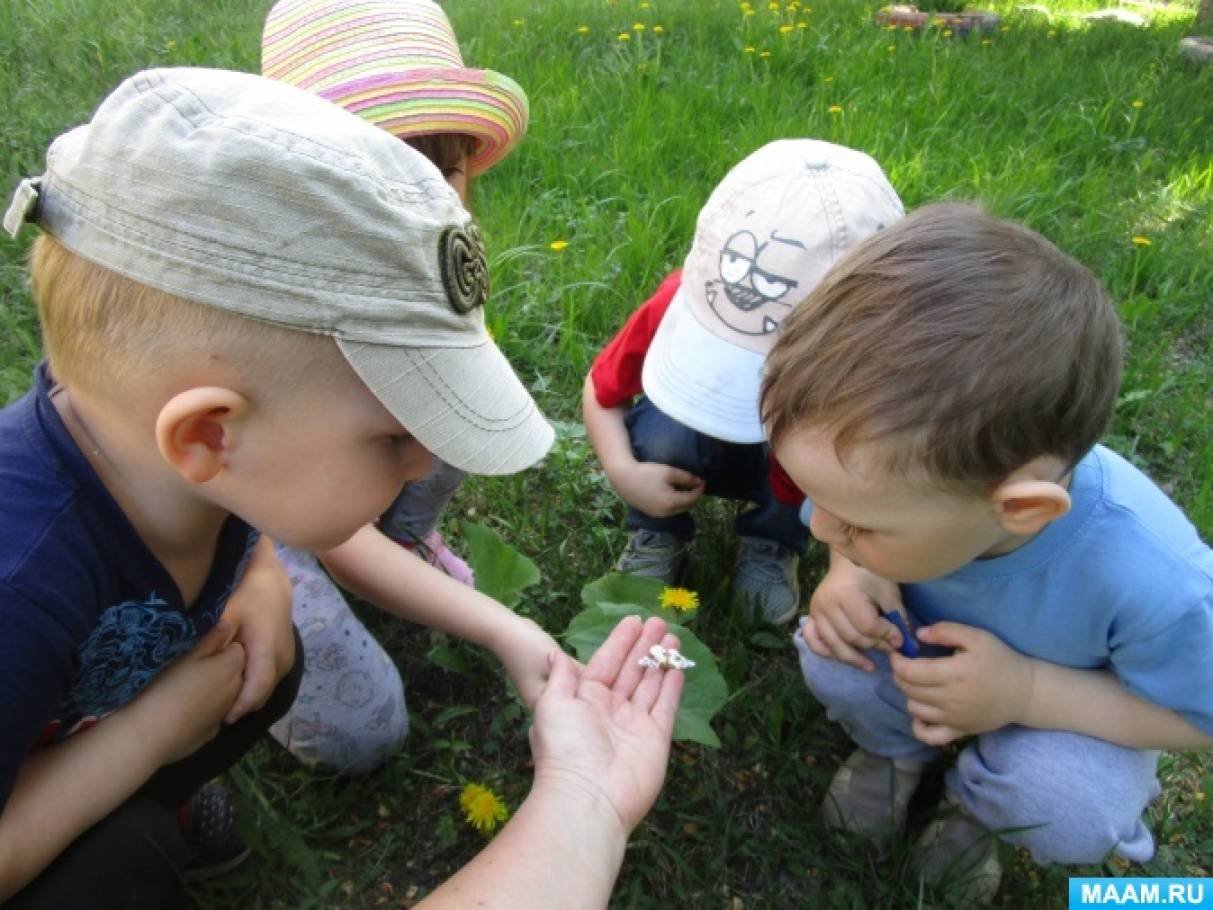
(1039, 122)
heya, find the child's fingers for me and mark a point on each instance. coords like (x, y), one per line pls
(840, 650)
(608, 660)
(926, 713)
(214, 641)
(259, 680)
(841, 621)
(926, 672)
(651, 682)
(934, 734)
(683, 480)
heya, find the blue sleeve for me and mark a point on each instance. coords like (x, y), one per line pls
(36, 669)
(1174, 667)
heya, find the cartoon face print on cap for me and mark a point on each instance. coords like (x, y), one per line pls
(755, 291)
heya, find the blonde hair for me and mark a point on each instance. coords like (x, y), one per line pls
(105, 332)
(975, 342)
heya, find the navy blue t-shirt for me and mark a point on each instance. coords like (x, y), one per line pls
(88, 616)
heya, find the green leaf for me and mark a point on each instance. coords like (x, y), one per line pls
(621, 588)
(449, 659)
(501, 571)
(705, 692)
(770, 641)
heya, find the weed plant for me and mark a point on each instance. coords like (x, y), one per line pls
(1100, 136)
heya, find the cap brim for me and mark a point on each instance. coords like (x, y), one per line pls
(464, 404)
(701, 380)
(488, 106)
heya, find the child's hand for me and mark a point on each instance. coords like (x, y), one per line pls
(658, 490)
(259, 613)
(525, 651)
(186, 703)
(605, 731)
(983, 686)
(844, 614)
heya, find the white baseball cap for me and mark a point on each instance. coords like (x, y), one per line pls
(767, 235)
(243, 193)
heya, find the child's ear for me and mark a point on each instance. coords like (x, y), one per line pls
(1025, 506)
(195, 428)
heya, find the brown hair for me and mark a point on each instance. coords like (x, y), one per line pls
(445, 150)
(104, 331)
(975, 341)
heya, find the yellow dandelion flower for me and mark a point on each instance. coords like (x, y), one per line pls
(679, 599)
(747, 12)
(482, 808)
(644, 5)
(891, 27)
(1138, 103)
(835, 108)
(583, 29)
(773, 6)
(558, 245)
(947, 33)
(170, 44)
(802, 25)
(638, 26)
(658, 29)
(1141, 241)
(786, 29)
(746, 6)
(764, 54)
(908, 28)
(749, 50)
(624, 36)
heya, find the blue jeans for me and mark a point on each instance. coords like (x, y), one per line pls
(729, 470)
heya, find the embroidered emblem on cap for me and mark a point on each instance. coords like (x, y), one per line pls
(465, 270)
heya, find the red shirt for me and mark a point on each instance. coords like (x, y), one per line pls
(617, 368)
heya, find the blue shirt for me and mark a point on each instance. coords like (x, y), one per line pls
(1122, 581)
(88, 616)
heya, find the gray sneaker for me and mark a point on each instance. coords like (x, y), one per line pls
(870, 796)
(765, 584)
(653, 554)
(958, 853)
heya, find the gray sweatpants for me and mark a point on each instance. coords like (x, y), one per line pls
(349, 714)
(1077, 797)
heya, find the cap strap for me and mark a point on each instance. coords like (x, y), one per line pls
(23, 206)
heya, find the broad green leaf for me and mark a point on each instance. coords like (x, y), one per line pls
(705, 692)
(621, 588)
(501, 571)
(449, 659)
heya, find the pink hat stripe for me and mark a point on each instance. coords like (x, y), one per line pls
(397, 64)
(374, 34)
(428, 41)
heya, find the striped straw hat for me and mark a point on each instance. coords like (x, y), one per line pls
(395, 63)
